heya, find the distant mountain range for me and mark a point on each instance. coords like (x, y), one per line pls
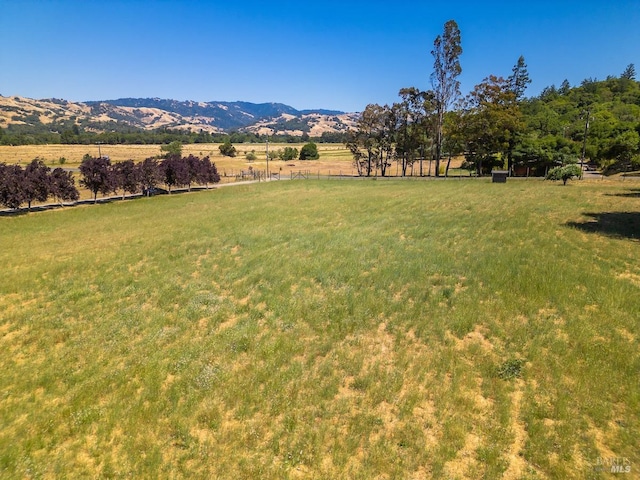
(155, 113)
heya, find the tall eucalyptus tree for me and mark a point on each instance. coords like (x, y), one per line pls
(444, 79)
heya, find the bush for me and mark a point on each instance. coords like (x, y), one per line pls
(309, 152)
(289, 153)
(251, 156)
(564, 173)
(227, 150)
(173, 148)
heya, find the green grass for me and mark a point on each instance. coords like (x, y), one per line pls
(324, 329)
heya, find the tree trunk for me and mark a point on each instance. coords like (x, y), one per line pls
(439, 141)
(510, 156)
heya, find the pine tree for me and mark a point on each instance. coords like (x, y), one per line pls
(629, 72)
(519, 79)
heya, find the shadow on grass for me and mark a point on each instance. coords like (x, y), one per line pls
(615, 224)
(100, 201)
(51, 206)
(633, 193)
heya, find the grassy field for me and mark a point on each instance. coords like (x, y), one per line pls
(332, 156)
(325, 329)
(335, 159)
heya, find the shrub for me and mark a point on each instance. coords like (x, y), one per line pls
(512, 368)
(173, 148)
(227, 150)
(564, 173)
(289, 153)
(309, 152)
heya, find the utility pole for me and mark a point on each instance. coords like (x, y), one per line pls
(584, 142)
(267, 156)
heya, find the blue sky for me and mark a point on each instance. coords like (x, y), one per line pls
(325, 54)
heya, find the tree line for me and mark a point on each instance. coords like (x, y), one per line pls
(309, 151)
(495, 126)
(38, 183)
(35, 182)
(68, 133)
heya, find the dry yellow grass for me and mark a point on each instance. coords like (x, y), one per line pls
(334, 158)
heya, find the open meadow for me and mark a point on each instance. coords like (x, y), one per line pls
(334, 158)
(325, 329)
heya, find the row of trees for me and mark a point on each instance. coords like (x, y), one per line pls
(98, 175)
(36, 133)
(37, 182)
(414, 127)
(496, 126)
(309, 151)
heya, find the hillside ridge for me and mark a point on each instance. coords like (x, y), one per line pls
(53, 114)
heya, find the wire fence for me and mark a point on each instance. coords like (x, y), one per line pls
(233, 176)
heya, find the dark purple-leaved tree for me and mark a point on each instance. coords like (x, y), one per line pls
(36, 182)
(125, 177)
(149, 174)
(62, 186)
(174, 171)
(208, 172)
(12, 192)
(193, 165)
(96, 175)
